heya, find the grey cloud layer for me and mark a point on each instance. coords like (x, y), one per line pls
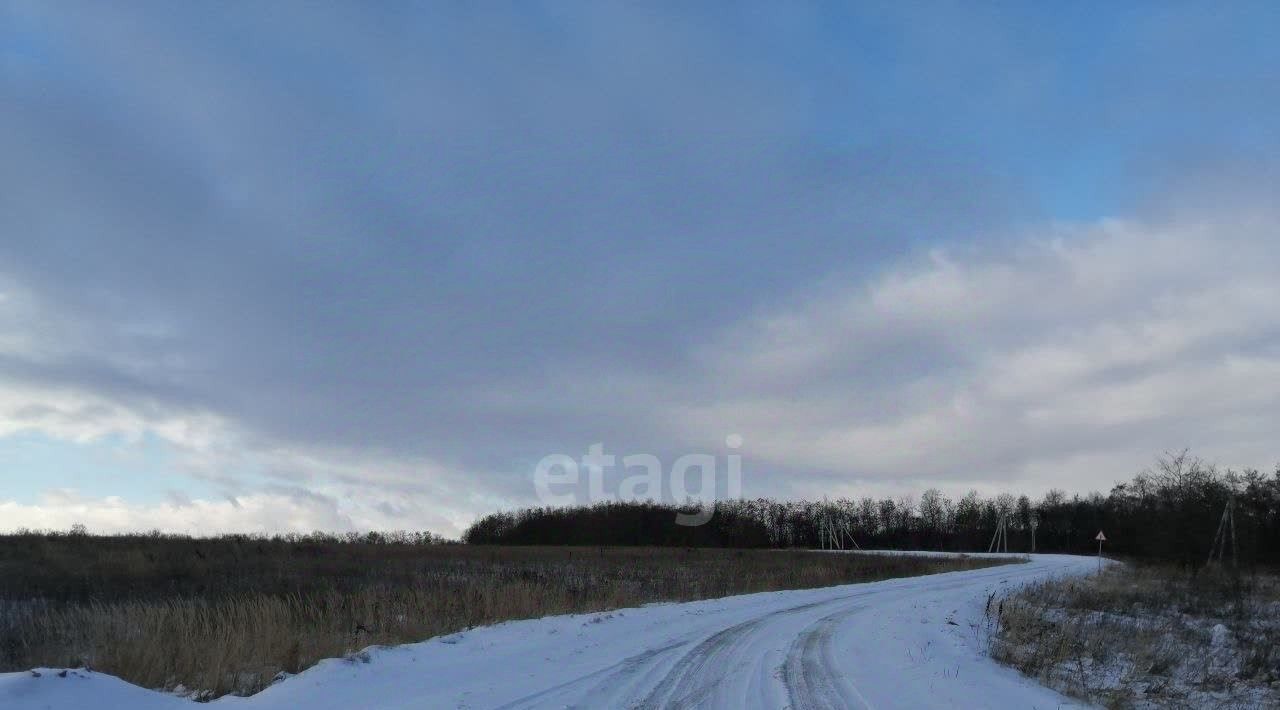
(435, 249)
(359, 266)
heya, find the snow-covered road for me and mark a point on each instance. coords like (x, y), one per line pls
(904, 643)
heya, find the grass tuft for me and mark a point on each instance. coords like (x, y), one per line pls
(1148, 636)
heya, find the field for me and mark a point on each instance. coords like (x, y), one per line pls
(215, 616)
(1140, 636)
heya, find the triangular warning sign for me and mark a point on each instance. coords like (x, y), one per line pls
(1100, 537)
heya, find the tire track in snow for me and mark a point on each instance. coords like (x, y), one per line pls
(608, 677)
(698, 674)
(810, 673)
(704, 675)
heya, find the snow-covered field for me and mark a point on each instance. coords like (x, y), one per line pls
(904, 643)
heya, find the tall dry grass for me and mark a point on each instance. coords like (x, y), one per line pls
(1148, 636)
(218, 636)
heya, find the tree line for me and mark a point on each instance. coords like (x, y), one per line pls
(1170, 511)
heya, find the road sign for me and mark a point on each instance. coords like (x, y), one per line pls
(1101, 539)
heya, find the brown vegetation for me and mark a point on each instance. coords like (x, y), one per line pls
(1148, 636)
(227, 615)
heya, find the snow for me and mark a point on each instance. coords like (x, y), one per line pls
(937, 553)
(916, 642)
(1221, 636)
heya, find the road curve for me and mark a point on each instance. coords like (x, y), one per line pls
(899, 643)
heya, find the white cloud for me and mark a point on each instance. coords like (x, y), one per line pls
(268, 484)
(1066, 360)
(292, 490)
(1110, 342)
(60, 509)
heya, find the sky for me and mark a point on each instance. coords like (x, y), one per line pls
(290, 267)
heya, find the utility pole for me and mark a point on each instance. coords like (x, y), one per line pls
(1001, 538)
(1225, 525)
(831, 536)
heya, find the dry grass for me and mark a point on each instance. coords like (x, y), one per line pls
(1149, 636)
(225, 639)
